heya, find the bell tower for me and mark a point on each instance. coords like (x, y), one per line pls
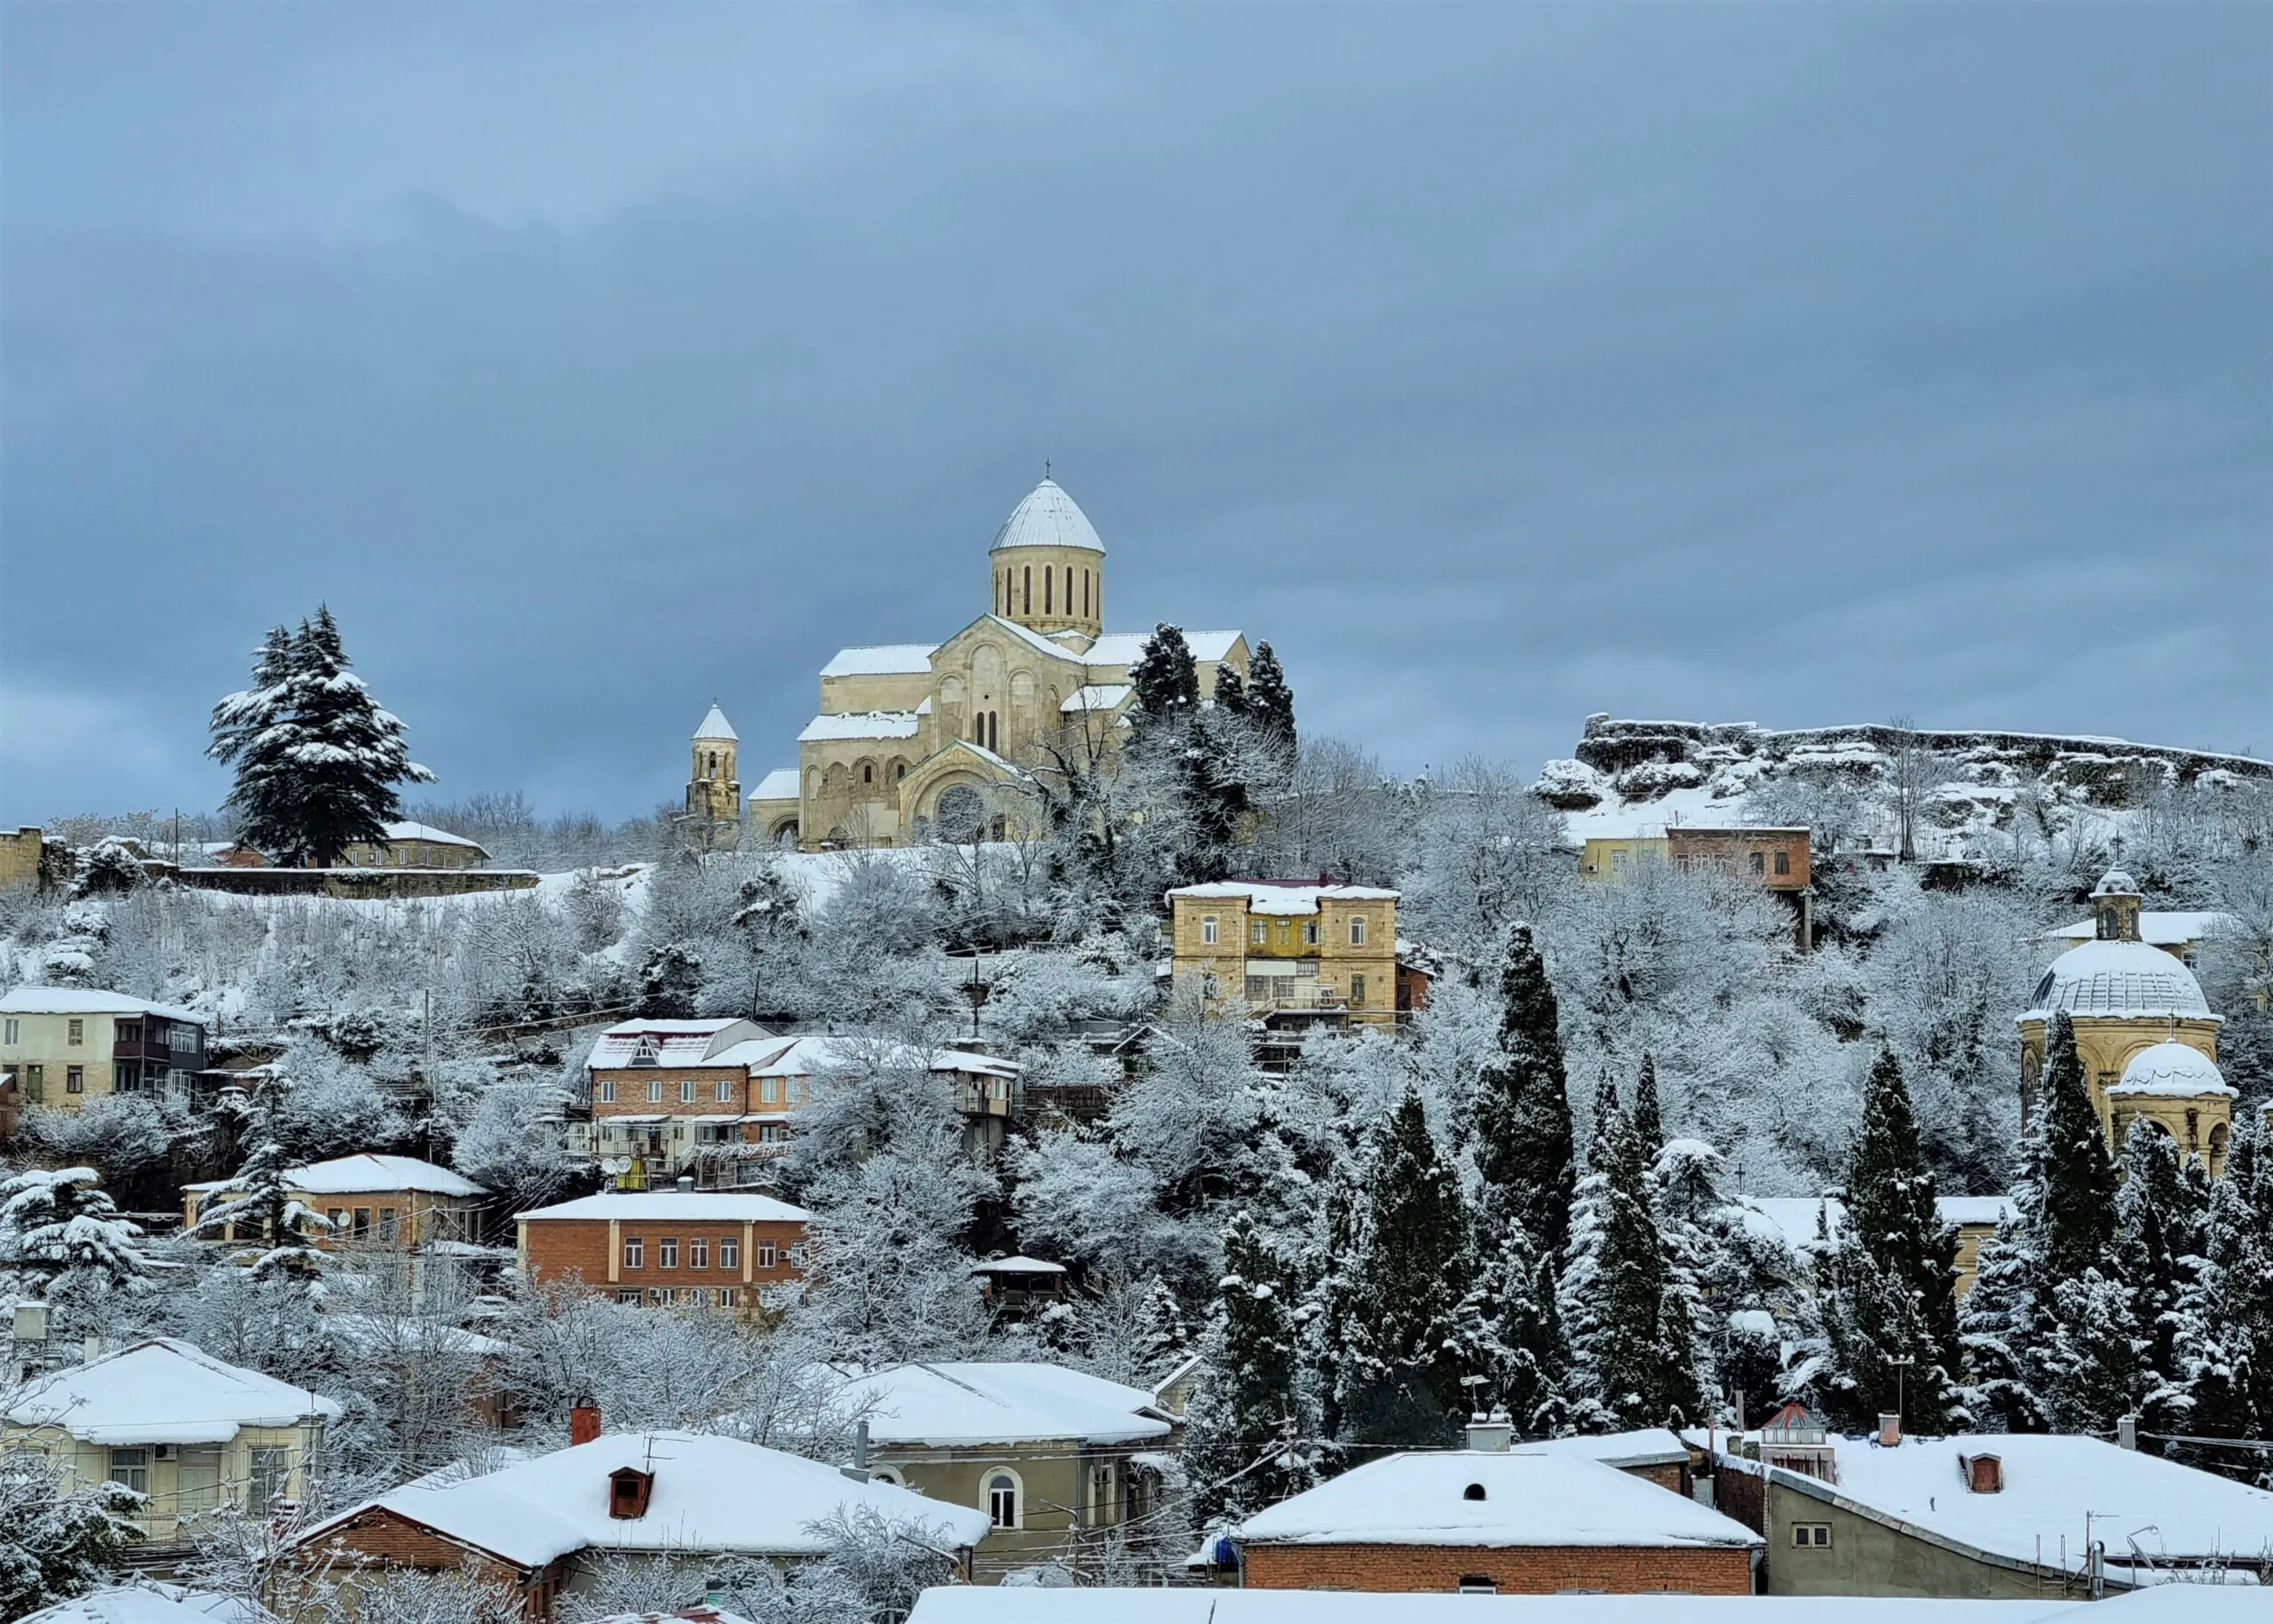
(713, 790)
(2115, 908)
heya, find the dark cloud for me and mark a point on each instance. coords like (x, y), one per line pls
(1498, 363)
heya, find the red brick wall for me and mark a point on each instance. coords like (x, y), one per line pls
(381, 1538)
(1672, 1475)
(631, 1090)
(557, 1247)
(1531, 1570)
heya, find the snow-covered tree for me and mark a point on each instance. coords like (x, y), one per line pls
(2075, 1174)
(1613, 1292)
(1247, 1399)
(1522, 1139)
(1267, 698)
(263, 1214)
(1165, 677)
(63, 1241)
(57, 1540)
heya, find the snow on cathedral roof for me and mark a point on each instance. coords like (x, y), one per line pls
(162, 1392)
(715, 725)
(2172, 1069)
(882, 660)
(1527, 1499)
(1048, 518)
(2119, 979)
(778, 784)
(861, 724)
(1126, 648)
(2158, 928)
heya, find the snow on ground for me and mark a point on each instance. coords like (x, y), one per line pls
(990, 1605)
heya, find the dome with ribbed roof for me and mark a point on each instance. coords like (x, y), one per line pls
(2173, 1068)
(2116, 882)
(1048, 518)
(2120, 978)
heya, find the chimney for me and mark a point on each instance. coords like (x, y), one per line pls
(1889, 1429)
(584, 1423)
(1490, 1434)
(2127, 1432)
(686, 1184)
(858, 1470)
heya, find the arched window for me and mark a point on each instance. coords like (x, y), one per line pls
(867, 772)
(1049, 589)
(1029, 578)
(1208, 931)
(1085, 594)
(1002, 1498)
(1474, 1490)
(1069, 588)
(1357, 929)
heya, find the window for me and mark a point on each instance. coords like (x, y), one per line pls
(699, 1295)
(792, 1090)
(1474, 1490)
(129, 1032)
(1357, 929)
(1358, 991)
(765, 1254)
(362, 1225)
(628, 1295)
(1085, 594)
(730, 1296)
(726, 1090)
(15, 1031)
(74, 1080)
(730, 1252)
(654, 1090)
(1478, 1584)
(1310, 932)
(1028, 581)
(339, 1216)
(76, 1032)
(660, 1295)
(1758, 862)
(1048, 591)
(272, 1478)
(1258, 932)
(35, 1083)
(667, 1252)
(1002, 1499)
(635, 1252)
(130, 1468)
(607, 1091)
(769, 1090)
(686, 1091)
(698, 1253)
(867, 772)
(1811, 1533)
(386, 1224)
(1207, 926)
(1783, 862)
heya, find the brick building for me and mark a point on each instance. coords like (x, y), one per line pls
(1487, 1521)
(371, 1200)
(711, 1249)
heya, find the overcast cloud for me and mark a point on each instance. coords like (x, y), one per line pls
(1500, 364)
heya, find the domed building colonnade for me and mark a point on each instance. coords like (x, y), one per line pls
(2145, 1032)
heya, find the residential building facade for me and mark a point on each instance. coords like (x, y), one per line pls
(371, 1200)
(61, 1046)
(1288, 948)
(704, 1249)
(416, 845)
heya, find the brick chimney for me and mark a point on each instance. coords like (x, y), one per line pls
(584, 1423)
(1889, 1429)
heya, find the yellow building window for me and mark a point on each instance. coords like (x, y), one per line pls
(1207, 924)
(1357, 929)
(1258, 932)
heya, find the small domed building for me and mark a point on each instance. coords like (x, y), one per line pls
(2145, 1032)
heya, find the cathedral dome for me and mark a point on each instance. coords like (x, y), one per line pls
(2116, 882)
(1048, 518)
(2121, 979)
(2172, 1068)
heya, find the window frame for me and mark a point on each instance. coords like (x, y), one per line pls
(698, 1251)
(1360, 930)
(1211, 928)
(136, 1468)
(730, 1252)
(1811, 1536)
(686, 1091)
(635, 1252)
(1002, 1481)
(607, 1091)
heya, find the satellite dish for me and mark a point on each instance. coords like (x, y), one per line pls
(613, 1165)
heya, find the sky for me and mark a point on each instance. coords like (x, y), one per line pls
(1498, 364)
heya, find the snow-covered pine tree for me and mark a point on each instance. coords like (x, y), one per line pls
(1649, 1120)
(1612, 1292)
(1893, 1275)
(2000, 1325)
(58, 1538)
(1411, 1339)
(1515, 1302)
(2157, 1245)
(1163, 1339)
(1522, 1136)
(63, 1240)
(2089, 1370)
(2077, 1179)
(1268, 699)
(350, 754)
(1250, 1389)
(2224, 1336)
(253, 731)
(1165, 677)
(264, 1214)
(1231, 691)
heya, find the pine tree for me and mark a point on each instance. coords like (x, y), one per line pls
(1250, 1390)
(2221, 1340)
(1649, 1122)
(2090, 1368)
(1612, 1293)
(1892, 1306)
(63, 1240)
(1268, 699)
(1231, 691)
(264, 1212)
(1411, 1338)
(1163, 1340)
(2157, 1245)
(1515, 1303)
(1522, 1111)
(2078, 1179)
(253, 731)
(1166, 678)
(2001, 1328)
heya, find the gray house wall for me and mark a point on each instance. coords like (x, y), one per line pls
(1867, 1557)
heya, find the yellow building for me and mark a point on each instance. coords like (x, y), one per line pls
(176, 1424)
(1613, 857)
(2145, 1032)
(914, 738)
(1289, 947)
(417, 845)
(61, 1046)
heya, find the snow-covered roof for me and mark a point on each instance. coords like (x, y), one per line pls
(1047, 517)
(778, 784)
(366, 1171)
(161, 1391)
(372, 1334)
(2050, 1482)
(428, 833)
(715, 725)
(88, 1001)
(2168, 929)
(1017, 1265)
(1530, 1497)
(1096, 696)
(995, 1605)
(2120, 978)
(882, 660)
(2116, 882)
(1283, 895)
(1123, 649)
(690, 1206)
(149, 1601)
(948, 1404)
(677, 1044)
(1792, 1218)
(861, 724)
(710, 1494)
(2172, 1069)
(1647, 1446)
(806, 1056)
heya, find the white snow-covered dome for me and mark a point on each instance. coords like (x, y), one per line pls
(2116, 882)
(2120, 978)
(2172, 1068)
(1048, 518)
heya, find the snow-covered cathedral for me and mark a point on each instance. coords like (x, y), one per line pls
(918, 736)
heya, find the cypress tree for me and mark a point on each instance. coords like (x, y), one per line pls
(1522, 1111)
(1411, 1338)
(1268, 699)
(1649, 1124)
(1892, 1215)
(2156, 1242)
(1231, 691)
(1612, 1292)
(2076, 1178)
(1165, 675)
(1998, 1325)
(1251, 1387)
(2090, 1371)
